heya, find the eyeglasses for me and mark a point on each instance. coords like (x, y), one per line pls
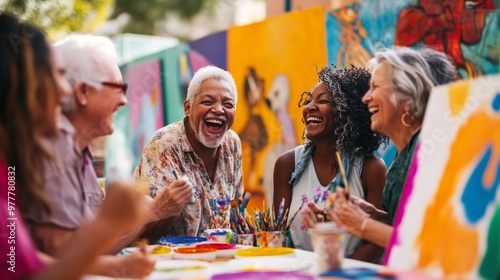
(123, 86)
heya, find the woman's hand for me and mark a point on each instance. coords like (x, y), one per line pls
(370, 209)
(366, 206)
(312, 215)
(347, 214)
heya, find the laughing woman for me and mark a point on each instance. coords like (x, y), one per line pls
(336, 120)
(400, 87)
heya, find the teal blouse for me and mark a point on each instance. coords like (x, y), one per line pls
(396, 177)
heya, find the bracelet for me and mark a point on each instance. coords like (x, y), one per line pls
(363, 225)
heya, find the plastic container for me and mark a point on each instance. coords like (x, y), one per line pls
(160, 252)
(271, 239)
(221, 235)
(329, 245)
(181, 241)
(192, 253)
(265, 252)
(224, 250)
(245, 239)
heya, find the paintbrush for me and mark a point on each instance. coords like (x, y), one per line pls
(171, 166)
(176, 176)
(283, 219)
(244, 204)
(280, 211)
(344, 177)
(235, 211)
(294, 215)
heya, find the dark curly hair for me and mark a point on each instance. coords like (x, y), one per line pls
(352, 132)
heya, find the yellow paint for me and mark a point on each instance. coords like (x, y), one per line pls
(444, 241)
(457, 96)
(161, 250)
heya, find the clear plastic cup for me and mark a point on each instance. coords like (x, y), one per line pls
(328, 241)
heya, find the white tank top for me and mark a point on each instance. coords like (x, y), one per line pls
(306, 188)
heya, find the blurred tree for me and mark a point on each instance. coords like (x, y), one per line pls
(60, 16)
(144, 14)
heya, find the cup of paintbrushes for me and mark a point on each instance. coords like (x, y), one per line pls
(246, 239)
(271, 239)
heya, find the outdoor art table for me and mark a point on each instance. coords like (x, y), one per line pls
(303, 262)
(291, 266)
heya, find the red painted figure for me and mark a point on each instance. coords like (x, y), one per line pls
(444, 25)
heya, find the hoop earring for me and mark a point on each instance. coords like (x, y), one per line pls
(404, 121)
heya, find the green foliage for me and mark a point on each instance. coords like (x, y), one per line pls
(65, 16)
(144, 14)
(55, 15)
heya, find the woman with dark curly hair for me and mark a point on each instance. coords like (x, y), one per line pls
(336, 120)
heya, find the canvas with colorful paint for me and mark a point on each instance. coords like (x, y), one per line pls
(448, 222)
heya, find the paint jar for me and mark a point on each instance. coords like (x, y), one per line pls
(328, 241)
(245, 239)
(221, 235)
(272, 239)
(180, 241)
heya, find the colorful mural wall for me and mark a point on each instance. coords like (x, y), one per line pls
(271, 73)
(450, 210)
(468, 31)
(145, 103)
(275, 60)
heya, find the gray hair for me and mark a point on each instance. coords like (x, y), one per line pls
(442, 68)
(410, 75)
(84, 58)
(206, 73)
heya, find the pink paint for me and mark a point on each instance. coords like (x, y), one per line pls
(405, 195)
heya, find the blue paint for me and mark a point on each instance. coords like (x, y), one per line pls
(476, 197)
(496, 102)
(180, 240)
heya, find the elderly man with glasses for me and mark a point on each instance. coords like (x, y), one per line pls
(89, 63)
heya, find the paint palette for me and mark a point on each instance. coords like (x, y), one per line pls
(157, 252)
(259, 275)
(181, 241)
(160, 252)
(193, 253)
(265, 252)
(224, 250)
(179, 269)
(270, 264)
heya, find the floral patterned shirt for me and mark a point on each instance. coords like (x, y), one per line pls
(170, 142)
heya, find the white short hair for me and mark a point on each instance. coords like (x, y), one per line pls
(206, 73)
(84, 58)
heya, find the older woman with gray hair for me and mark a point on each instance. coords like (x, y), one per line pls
(402, 80)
